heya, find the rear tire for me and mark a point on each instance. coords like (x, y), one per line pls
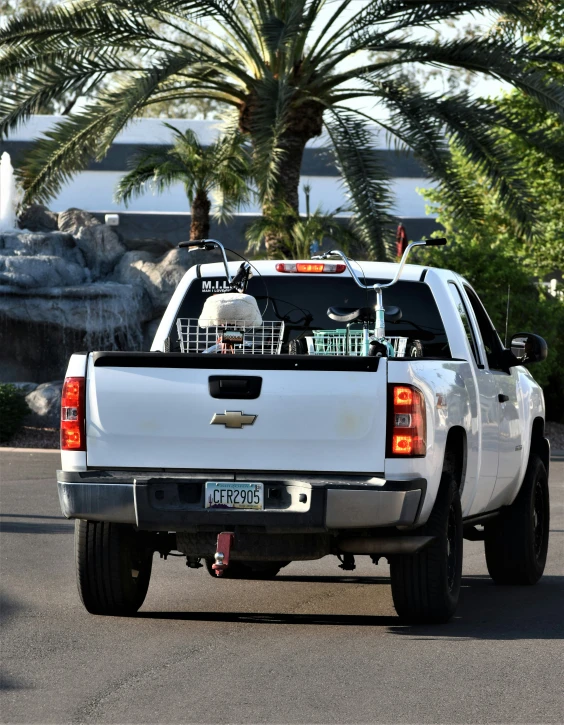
(426, 586)
(516, 542)
(248, 570)
(113, 567)
(415, 349)
(297, 347)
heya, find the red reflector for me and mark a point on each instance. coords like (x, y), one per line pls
(310, 267)
(406, 422)
(73, 430)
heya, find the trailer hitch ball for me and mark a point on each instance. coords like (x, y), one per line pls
(224, 543)
(219, 566)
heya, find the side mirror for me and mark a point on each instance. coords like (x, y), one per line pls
(528, 348)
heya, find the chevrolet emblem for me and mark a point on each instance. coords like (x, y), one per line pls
(233, 419)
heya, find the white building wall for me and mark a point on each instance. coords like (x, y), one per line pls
(94, 190)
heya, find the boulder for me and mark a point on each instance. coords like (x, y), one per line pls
(50, 244)
(130, 268)
(37, 218)
(99, 310)
(45, 405)
(99, 243)
(159, 277)
(39, 271)
(158, 247)
(170, 270)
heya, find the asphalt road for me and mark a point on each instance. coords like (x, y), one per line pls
(313, 646)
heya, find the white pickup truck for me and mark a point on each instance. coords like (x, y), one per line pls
(284, 442)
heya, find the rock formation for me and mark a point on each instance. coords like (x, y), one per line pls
(77, 288)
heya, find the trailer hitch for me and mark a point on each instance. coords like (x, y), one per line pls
(224, 544)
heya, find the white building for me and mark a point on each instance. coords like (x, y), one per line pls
(167, 215)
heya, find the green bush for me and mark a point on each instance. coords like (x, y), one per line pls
(13, 410)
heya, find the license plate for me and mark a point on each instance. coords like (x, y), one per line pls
(234, 495)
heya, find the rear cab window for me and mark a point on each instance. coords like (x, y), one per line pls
(301, 302)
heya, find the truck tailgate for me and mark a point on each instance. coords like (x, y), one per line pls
(306, 420)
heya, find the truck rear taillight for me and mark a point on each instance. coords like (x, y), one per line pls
(73, 429)
(406, 426)
(310, 267)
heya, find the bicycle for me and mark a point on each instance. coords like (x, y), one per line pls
(373, 343)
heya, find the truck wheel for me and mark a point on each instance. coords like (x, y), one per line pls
(113, 567)
(516, 541)
(415, 349)
(426, 586)
(250, 570)
(297, 347)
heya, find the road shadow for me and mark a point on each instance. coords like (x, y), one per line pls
(486, 611)
(350, 579)
(9, 607)
(33, 527)
(9, 683)
(274, 618)
(31, 516)
(44, 525)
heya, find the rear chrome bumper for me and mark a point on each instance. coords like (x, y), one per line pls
(293, 502)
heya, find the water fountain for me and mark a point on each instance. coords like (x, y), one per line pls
(8, 194)
(74, 288)
(72, 285)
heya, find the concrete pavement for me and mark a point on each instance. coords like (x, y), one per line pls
(316, 645)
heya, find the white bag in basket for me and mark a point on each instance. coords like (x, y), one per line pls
(228, 308)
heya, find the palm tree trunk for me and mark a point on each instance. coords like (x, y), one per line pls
(288, 188)
(200, 227)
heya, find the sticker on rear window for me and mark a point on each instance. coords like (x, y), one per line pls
(209, 286)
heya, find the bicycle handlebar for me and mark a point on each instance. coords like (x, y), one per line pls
(422, 243)
(209, 244)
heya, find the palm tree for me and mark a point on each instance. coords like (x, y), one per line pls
(297, 233)
(220, 169)
(289, 70)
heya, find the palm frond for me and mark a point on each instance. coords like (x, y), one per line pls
(31, 94)
(68, 147)
(150, 168)
(76, 25)
(379, 19)
(365, 178)
(468, 123)
(514, 64)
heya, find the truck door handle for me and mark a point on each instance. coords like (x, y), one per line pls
(235, 387)
(503, 398)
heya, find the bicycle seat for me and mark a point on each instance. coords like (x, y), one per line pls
(351, 314)
(362, 314)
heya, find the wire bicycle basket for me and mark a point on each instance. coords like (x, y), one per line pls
(347, 342)
(234, 337)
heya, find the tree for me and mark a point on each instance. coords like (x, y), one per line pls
(220, 169)
(488, 250)
(297, 233)
(288, 73)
